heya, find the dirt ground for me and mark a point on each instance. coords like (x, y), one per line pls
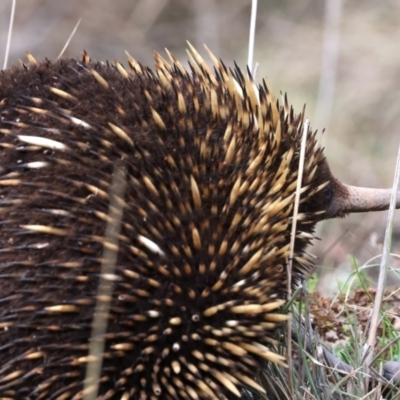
(340, 58)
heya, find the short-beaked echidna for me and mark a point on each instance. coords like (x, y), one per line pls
(211, 166)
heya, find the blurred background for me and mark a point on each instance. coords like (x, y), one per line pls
(339, 57)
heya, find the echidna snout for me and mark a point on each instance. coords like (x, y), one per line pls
(200, 273)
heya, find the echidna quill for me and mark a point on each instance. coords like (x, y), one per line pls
(211, 163)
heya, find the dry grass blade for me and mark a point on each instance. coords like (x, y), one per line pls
(296, 204)
(253, 21)
(99, 326)
(383, 269)
(69, 38)
(12, 15)
(292, 240)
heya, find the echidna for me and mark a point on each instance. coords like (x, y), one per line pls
(210, 165)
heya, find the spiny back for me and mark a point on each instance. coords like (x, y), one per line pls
(211, 165)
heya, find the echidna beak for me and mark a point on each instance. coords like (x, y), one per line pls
(351, 199)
